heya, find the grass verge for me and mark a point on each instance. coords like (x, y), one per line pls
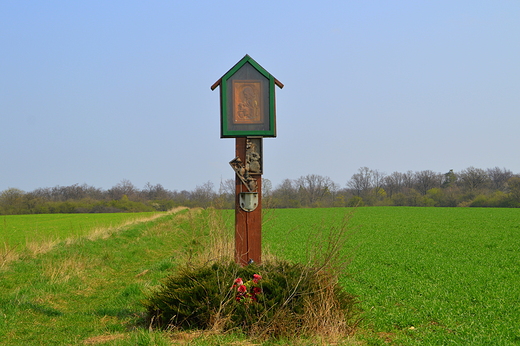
(32, 235)
(89, 288)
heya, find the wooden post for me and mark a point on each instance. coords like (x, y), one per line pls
(248, 224)
(248, 114)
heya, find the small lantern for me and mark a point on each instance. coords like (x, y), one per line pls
(247, 102)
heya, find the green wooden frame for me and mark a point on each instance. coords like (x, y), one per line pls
(225, 113)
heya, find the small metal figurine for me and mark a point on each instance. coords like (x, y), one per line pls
(243, 174)
(252, 158)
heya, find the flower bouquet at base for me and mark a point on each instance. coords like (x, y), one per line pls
(246, 292)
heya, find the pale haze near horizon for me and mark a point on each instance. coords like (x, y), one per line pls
(97, 92)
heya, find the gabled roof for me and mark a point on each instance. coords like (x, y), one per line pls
(238, 65)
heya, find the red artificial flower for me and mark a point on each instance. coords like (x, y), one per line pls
(244, 292)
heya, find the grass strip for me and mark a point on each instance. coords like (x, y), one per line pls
(89, 288)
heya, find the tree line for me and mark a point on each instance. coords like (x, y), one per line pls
(471, 187)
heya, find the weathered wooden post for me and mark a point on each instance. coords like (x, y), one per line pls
(247, 113)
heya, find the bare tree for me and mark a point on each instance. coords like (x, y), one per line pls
(155, 192)
(286, 195)
(67, 193)
(11, 201)
(394, 183)
(409, 179)
(226, 193)
(499, 177)
(203, 195)
(182, 197)
(267, 188)
(472, 179)
(378, 179)
(227, 187)
(513, 187)
(313, 188)
(361, 182)
(426, 180)
(125, 187)
(43, 193)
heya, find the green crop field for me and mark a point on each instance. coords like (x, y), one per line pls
(423, 276)
(18, 229)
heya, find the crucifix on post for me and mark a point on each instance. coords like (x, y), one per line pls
(247, 113)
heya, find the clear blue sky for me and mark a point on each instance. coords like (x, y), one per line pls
(100, 91)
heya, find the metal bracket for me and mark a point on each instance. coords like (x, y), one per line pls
(248, 200)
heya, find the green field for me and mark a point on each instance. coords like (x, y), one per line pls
(424, 276)
(17, 230)
(89, 290)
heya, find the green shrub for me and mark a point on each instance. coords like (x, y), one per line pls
(480, 201)
(294, 299)
(355, 201)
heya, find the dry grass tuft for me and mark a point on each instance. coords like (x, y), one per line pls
(37, 248)
(101, 339)
(63, 271)
(208, 236)
(8, 254)
(221, 244)
(325, 316)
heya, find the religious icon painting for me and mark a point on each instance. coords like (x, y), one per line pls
(247, 103)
